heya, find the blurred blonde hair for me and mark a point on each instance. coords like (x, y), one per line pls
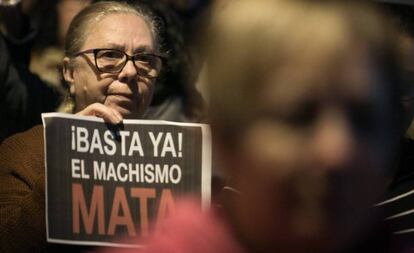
(251, 40)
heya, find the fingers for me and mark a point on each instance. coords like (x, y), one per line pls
(108, 114)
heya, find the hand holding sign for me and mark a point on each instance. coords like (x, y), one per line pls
(108, 114)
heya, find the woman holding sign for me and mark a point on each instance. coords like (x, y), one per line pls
(110, 66)
(304, 119)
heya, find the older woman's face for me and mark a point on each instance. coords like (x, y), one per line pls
(126, 92)
(315, 159)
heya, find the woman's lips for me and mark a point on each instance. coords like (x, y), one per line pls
(127, 101)
(126, 95)
(123, 97)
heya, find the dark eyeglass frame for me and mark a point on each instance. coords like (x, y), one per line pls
(95, 52)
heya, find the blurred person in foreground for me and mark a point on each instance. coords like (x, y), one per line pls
(110, 66)
(305, 119)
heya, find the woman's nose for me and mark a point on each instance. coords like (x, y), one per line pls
(334, 144)
(128, 73)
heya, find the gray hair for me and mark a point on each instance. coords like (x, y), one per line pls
(76, 35)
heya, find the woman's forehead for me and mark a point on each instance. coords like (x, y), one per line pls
(354, 77)
(121, 31)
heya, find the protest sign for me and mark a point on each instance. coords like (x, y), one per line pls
(106, 182)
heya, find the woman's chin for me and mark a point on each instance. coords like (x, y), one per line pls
(127, 109)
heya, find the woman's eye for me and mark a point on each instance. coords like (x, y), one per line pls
(111, 55)
(144, 59)
(302, 116)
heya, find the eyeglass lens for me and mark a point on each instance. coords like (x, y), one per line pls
(112, 61)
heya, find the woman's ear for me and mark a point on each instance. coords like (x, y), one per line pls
(67, 72)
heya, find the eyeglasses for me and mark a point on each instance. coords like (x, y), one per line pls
(113, 61)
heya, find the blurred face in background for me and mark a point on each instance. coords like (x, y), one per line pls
(314, 158)
(303, 115)
(66, 10)
(127, 92)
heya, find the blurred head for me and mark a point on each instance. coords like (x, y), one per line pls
(304, 118)
(121, 76)
(67, 9)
